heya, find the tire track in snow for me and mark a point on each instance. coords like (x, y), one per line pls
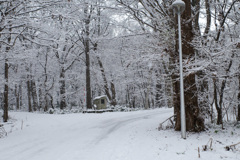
(114, 125)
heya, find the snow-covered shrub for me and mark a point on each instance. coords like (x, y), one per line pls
(119, 108)
(64, 111)
(51, 111)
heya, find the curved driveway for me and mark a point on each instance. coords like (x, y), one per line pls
(108, 136)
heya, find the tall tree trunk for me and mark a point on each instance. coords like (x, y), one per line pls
(20, 95)
(158, 94)
(34, 95)
(238, 116)
(196, 5)
(41, 103)
(46, 102)
(147, 93)
(218, 108)
(208, 12)
(29, 94)
(50, 100)
(158, 88)
(43, 89)
(193, 120)
(5, 99)
(16, 93)
(87, 56)
(113, 90)
(62, 89)
(146, 102)
(33, 90)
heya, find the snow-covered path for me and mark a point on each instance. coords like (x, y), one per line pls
(108, 136)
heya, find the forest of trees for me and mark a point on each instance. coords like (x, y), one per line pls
(63, 53)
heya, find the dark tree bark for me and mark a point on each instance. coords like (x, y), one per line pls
(50, 100)
(18, 95)
(34, 95)
(29, 94)
(223, 17)
(208, 12)
(88, 75)
(62, 89)
(40, 97)
(194, 122)
(158, 86)
(238, 115)
(46, 102)
(5, 98)
(87, 56)
(158, 94)
(33, 90)
(219, 109)
(113, 101)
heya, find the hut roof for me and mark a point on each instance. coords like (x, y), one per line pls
(103, 96)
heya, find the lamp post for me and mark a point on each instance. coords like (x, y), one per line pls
(179, 7)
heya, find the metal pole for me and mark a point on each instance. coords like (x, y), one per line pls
(183, 120)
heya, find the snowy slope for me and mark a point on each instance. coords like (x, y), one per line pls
(109, 136)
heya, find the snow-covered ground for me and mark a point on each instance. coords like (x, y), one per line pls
(110, 136)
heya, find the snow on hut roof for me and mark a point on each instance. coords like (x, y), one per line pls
(103, 96)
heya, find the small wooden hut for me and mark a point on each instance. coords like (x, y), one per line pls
(100, 102)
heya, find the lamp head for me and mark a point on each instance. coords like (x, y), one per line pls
(178, 6)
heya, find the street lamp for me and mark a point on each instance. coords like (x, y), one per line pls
(179, 7)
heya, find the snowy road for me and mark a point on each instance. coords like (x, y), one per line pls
(108, 136)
